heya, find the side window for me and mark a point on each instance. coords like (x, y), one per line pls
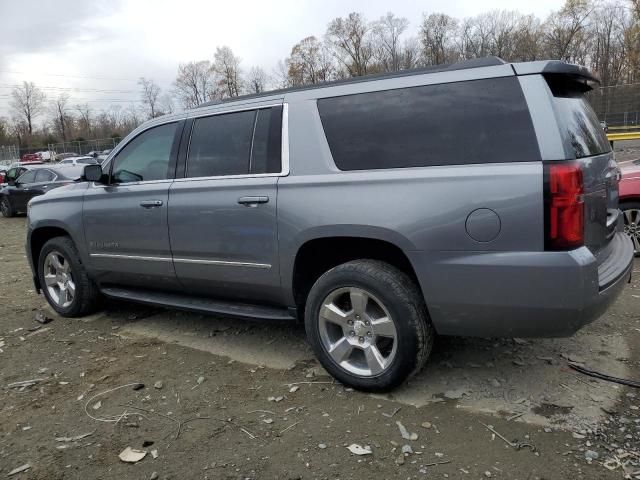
(479, 121)
(221, 145)
(146, 157)
(12, 174)
(44, 176)
(28, 177)
(266, 153)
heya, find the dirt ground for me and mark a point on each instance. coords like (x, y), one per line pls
(227, 406)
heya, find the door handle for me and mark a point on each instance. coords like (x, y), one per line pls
(252, 201)
(151, 203)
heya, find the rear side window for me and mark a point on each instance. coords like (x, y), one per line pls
(580, 128)
(479, 121)
(44, 176)
(28, 177)
(236, 144)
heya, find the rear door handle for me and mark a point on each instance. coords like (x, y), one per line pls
(151, 203)
(249, 201)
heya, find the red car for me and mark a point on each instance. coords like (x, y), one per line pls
(30, 157)
(630, 201)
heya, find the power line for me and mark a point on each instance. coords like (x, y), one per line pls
(71, 89)
(68, 76)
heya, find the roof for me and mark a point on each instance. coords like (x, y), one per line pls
(524, 68)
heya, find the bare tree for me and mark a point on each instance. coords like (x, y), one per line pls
(227, 67)
(149, 94)
(388, 48)
(564, 31)
(85, 120)
(195, 83)
(310, 62)
(257, 80)
(351, 38)
(438, 35)
(166, 105)
(59, 111)
(27, 103)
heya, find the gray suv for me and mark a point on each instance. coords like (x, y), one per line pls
(475, 199)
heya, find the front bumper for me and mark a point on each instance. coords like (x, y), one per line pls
(520, 294)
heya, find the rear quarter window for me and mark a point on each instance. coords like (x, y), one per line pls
(581, 131)
(479, 121)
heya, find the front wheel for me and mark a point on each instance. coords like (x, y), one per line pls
(631, 214)
(64, 280)
(368, 325)
(6, 208)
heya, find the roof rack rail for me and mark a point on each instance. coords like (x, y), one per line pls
(465, 64)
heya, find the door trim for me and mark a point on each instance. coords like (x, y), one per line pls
(182, 260)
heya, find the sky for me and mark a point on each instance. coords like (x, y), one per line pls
(97, 50)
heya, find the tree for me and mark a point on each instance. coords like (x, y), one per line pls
(227, 67)
(386, 32)
(27, 103)
(195, 83)
(61, 118)
(149, 93)
(351, 39)
(309, 63)
(564, 31)
(257, 80)
(84, 119)
(438, 35)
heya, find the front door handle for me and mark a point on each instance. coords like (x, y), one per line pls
(151, 203)
(252, 201)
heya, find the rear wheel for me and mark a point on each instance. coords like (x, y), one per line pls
(631, 214)
(6, 208)
(368, 325)
(64, 280)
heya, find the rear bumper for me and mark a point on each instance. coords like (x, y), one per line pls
(520, 294)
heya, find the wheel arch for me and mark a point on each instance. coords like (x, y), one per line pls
(326, 249)
(36, 240)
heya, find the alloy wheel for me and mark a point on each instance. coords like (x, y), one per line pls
(58, 279)
(632, 227)
(357, 331)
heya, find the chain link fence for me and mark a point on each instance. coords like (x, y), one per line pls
(618, 105)
(83, 147)
(9, 154)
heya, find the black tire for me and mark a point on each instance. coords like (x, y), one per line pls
(404, 302)
(87, 295)
(636, 228)
(6, 208)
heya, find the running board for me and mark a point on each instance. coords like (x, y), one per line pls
(198, 304)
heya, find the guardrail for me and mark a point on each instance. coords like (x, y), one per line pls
(616, 137)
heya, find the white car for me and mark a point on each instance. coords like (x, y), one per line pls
(46, 155)
(78, 161)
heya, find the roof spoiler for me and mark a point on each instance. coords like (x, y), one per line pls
(556, 67)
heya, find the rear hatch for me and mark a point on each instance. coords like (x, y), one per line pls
(586, 144)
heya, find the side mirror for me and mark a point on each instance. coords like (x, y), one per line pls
(93, 173)
(12, 183)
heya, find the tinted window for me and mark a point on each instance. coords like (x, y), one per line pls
(221, 145)
(87, 161)
(146, 157)
(480, 121)
(44, 176)
(267, 142)
(28, 177)
(579, 124)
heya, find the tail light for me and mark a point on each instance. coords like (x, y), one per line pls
(564, 206)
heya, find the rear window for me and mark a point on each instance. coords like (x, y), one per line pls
(479, 121)
(580, 128)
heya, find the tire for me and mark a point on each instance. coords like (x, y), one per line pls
(380, 291)
(631, 214)
(6, 208)
(86, 296)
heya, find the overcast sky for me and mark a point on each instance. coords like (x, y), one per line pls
(101, 47)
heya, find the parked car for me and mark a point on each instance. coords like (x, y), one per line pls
(17, 169)
(604, 126)
(46, 155)
(630, 202)
(33, 182)
(62, 156)
(476, 199)
(3, 173)
(79, 161)
(30, 158)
